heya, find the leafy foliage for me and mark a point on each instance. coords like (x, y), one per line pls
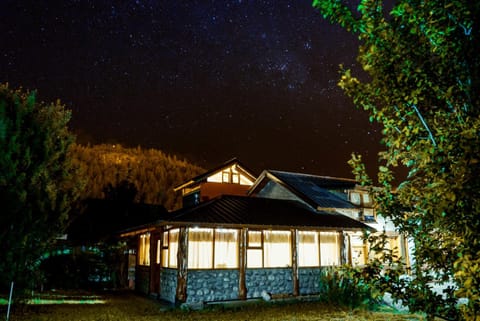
(144, 175)
(37, 185)
(423, 86)
(98, 266)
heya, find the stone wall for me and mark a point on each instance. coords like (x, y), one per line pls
(309, 280)
(271, 280)
(168, 284)
(212, 285)
(142, 279)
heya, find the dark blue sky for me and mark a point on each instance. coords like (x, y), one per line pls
(206, 80)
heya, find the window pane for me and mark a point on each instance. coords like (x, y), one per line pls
(165, 239)
(200, 248)
(254, 258)
(165, 258)
(254, 239)
(277, 250)
(144, 249)
(308, 249)
(235, 178)
(158, 252)
(358, 250)
(226, 177)
(226, 248)
(173, 248)
(329, 248)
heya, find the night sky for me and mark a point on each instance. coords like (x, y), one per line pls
(205, 80)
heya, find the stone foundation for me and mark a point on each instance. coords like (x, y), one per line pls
(309, 280)
(270, 280)
(168, 284)
(212, 285)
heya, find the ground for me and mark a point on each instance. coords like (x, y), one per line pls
(128, 306)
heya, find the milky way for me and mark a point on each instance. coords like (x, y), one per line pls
(207, 80)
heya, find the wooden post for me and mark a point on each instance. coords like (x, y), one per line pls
(294, 245)
(154, 266)
(182, 262)
(242, 264)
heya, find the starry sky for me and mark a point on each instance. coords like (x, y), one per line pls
(205, 80)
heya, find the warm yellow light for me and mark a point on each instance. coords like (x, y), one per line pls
(308, 249)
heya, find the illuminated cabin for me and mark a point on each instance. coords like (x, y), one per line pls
(238, 247)
(230, 178)
(272, 236)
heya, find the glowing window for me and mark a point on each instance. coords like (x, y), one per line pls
(169, 248)
(329, 248)
(254, 238)
(277, 250)
(200, 248)
(254, 249)
(254, 258)
(226, 177)
(144, 249)
(308, 249)
(226, 248)
(235, 178)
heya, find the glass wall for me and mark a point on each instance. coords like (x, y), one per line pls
(218, 248)
(318, 248)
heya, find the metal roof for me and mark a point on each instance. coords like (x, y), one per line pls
(244, 210)
(318, 191)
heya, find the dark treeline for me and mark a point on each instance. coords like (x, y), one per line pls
(143, 175)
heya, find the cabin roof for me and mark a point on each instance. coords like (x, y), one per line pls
(204, 176)
(317, 191)
(244, 210)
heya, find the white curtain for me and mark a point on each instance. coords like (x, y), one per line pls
(173, 248)
(226, 248)
(144, 249)
(200, 248)
(277, 251)
(254, 252)
(308, 248)
(329, 248)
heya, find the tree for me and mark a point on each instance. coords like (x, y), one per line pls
(37, 185)
(421, 83)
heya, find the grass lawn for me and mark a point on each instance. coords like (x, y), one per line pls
(128, 306)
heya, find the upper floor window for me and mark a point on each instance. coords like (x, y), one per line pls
(355, 198)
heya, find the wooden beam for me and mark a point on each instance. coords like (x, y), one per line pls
(182, 262)
(242, 264)
(294, 245)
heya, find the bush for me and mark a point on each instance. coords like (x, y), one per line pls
(347, 286)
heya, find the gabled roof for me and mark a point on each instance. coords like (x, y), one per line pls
(317, 191)
(229, 210)
(204, 176)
